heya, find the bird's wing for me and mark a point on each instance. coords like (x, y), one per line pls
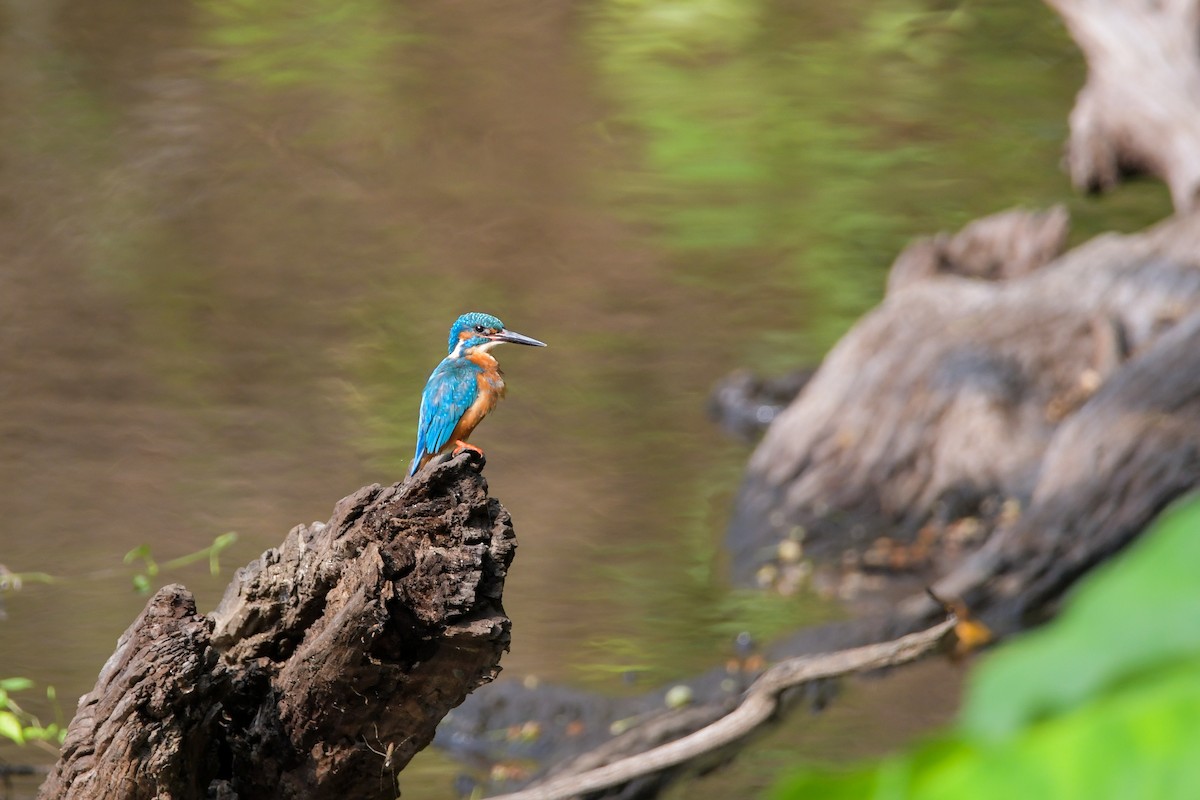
(449, 393)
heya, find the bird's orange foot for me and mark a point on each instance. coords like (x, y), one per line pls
(460, 445)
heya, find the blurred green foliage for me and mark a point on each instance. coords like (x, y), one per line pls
(1102, 703)
(803, 145)
(340, 45)
(18, 725)
(151, 567)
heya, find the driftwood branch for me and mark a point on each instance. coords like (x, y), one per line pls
(368, 628)
(758, 704)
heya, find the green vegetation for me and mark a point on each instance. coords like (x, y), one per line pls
(340, 46)
(212, 553)
(13, 581)
(21, 727)
(808, 143)
(1102, 703)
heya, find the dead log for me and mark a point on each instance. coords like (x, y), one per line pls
(1133, 449)
(1139, 111)
(942, 402)
(1000, 247)
(338, 651)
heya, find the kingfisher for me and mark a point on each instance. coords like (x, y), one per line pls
(464, 387)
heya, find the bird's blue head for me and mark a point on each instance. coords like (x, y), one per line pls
(476, 331)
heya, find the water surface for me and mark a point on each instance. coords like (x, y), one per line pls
(233, 235)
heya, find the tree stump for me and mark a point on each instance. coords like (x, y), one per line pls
(327, 665)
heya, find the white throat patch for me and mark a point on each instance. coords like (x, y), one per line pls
(460, 348)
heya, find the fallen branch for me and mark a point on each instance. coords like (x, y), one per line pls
(758, 704)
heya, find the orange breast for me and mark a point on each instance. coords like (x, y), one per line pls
(490, 382)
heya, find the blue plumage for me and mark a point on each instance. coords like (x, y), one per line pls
(464, 387)
(451, 390)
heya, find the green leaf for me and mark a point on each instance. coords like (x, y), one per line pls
(10, 727)
(220, 543)
(142, 551)
(15, 684)
(1138, 742)
(827, 785)
(1141, 610)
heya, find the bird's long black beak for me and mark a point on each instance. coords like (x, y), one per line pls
(515, 338)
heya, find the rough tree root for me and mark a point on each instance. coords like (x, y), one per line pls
(366, 629)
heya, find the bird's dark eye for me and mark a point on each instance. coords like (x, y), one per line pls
(479, 329)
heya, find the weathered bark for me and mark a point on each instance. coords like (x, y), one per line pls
(329, 656)
(1000, 247)
(1110, 469)
(1140, 108)
(948, 394)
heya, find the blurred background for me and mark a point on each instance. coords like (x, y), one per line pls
(234, 233)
